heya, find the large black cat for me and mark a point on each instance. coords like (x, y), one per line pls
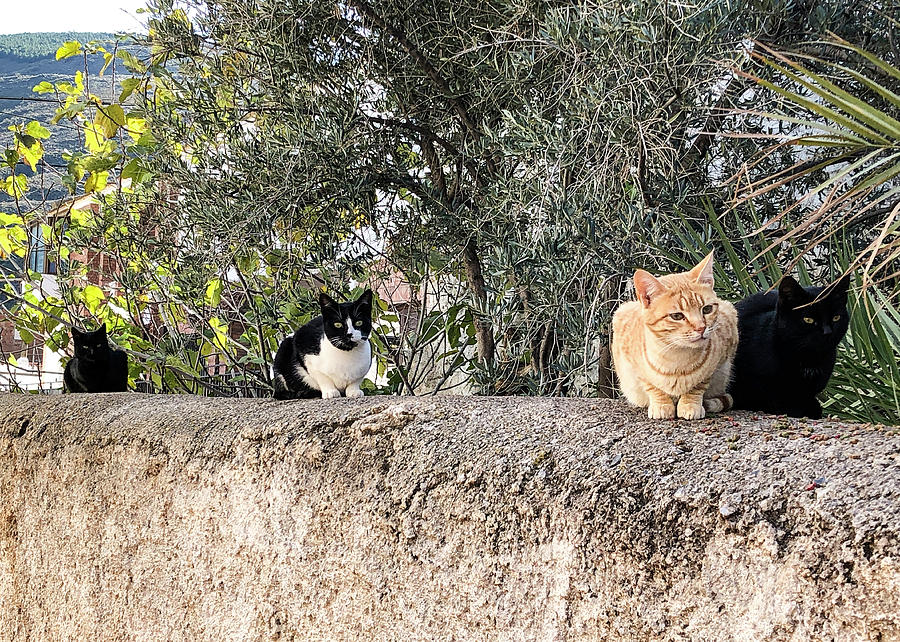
(329, 356)
(95, 367)
(787, 346)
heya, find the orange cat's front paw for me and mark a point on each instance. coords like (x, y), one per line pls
(660, 411)
(690, 409)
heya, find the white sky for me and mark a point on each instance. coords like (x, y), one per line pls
(29, 16)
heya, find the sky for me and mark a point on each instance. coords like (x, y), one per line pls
(30, 16)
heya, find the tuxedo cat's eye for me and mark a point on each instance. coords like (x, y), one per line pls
(338, 324)
(357, 324)
(809, 320)
(707, 309)
(676, 316)
(836, 317)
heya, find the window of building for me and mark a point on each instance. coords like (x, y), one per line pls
(43, 240)
(10, 273)
(35, 352)
(39, 250)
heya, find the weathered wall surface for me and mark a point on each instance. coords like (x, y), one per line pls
(138, 517)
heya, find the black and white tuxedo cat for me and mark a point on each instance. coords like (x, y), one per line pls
(330, 355)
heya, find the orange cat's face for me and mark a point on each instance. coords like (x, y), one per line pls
(679, 309)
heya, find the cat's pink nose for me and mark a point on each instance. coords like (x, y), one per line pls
(699, 329)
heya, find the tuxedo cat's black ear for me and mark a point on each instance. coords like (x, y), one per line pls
(326, 301)
(365, 298)
(76, 333)
(791, 293)
(102, 329)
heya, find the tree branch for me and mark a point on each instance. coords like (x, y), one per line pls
(429, 69)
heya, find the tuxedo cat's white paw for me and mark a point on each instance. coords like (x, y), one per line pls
(331, 394)
(354, 392)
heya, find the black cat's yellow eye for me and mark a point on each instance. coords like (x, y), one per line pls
(338, 324)
(809, 320)
(676, 316)
(357, 324)
(707, 309)
(836, 317)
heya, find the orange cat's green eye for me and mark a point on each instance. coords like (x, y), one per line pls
(836, 317)
(676, 316)
(707, 309)
(338, 324)
(809, 320)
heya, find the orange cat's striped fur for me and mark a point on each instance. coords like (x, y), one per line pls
(675, 342)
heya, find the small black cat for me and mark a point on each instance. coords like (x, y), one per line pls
(330, 355)
(787, 346)
(95, 366)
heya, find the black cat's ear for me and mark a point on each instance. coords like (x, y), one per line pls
(76, 333)
(838, 291)
(102, 330)
(791, 293)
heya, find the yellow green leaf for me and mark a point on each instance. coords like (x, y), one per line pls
(109, 119)
(16, 185)
(35, 129)
(107, 59)
(92, 297)
(94, 137)
(219, 332)
(68, 49)
(135, 172)
(96, 182)
(135, 127)
(13, 238)
(31, 154)
(214, 292)
(131, 61)
(129, 85)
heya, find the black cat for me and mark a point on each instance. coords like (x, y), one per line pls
(787, 346)
(95, 366)
(330, 355)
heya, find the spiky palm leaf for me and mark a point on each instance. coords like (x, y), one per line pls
(847, 123)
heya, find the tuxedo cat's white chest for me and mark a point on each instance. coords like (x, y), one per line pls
(339, 368)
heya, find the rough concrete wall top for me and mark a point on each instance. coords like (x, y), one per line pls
(138, 517)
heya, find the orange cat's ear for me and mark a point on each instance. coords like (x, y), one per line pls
(647, 287)
(703, 272)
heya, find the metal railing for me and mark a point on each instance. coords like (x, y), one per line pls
(220, 385)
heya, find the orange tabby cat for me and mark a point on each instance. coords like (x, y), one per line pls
(677, 341)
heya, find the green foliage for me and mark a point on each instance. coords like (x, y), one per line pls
(848, 153)
(865, 385)
(524, 162)
(509, 164)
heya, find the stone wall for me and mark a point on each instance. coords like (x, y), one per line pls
(139, 517)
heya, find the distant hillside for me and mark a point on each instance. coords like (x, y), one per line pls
(33, 46)
(25, 61)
